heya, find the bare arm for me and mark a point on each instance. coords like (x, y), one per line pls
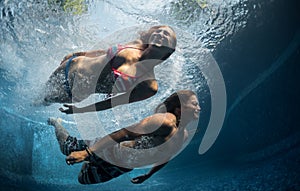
(160, 124)
(148, 125)
(142, 178)
(92, 53)
(106, 141)
(139, 93)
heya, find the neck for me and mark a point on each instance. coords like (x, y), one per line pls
(157, 53)
(182, 123)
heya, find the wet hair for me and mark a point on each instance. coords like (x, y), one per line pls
(145, 35)
(174, 101)
(167, 51)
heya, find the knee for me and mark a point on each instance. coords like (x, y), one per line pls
(87, 175)
(83, 178)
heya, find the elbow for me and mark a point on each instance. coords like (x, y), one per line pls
(152, 92)
(149, 93)
(151, 89)
(142, 95)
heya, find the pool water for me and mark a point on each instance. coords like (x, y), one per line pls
(240, 56)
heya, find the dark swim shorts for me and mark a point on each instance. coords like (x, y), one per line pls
(95, 170)
(101, 171)
(72, 144)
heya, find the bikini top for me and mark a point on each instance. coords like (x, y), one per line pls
(123, 82)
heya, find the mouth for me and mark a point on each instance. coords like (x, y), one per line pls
(196, 113)
(157, 40)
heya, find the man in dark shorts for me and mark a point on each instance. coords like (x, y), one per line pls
(164, 133)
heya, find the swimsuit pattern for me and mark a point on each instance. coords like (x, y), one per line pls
(101, 171)
(72, 144)
(96, 170)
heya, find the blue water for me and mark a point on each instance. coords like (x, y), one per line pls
(253, 44)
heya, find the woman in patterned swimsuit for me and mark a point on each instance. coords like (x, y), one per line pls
(152, 141)
(126, 71)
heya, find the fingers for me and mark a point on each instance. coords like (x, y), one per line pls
(76, 157)
(63, 110)
(139, 179)
(135, 180)
(70, 160)
(69, 109)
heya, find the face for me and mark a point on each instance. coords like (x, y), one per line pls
(191, 109)
(162, 36)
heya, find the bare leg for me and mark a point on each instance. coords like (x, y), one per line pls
(60, 132)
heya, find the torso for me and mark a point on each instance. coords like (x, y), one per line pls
(87, 76)
(146, 149)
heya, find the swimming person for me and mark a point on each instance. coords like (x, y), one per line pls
(125, 71)
(152, 141)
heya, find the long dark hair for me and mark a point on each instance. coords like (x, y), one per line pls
(174, 101)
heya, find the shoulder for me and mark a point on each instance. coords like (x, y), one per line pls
(167, 123)
(165, 120)
(164, 117)
(158, 120)
(136, 42)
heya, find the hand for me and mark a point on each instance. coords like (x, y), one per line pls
(76, 157)
(70, 109)
(140, 179)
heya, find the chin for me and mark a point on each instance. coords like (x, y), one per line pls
(156, 44)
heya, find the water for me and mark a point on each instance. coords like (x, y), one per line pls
(35, 36)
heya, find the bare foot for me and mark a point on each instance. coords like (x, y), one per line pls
(53, 121)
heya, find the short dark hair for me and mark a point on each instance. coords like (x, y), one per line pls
(174, 101)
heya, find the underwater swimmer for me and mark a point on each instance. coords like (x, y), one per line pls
(125, 71)
(164, 133)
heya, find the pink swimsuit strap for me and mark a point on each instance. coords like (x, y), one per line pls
(118, 74)
(123, 82)
(114, 50)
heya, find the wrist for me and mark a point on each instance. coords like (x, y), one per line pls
(147, 175)
(88, 153)
(77, 109)
(90, 156)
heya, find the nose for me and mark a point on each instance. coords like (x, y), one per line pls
(160, 33)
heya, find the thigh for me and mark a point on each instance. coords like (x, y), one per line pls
(100, 172)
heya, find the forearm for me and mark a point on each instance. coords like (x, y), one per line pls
(94, 53)
(99, 106)
(142, 178)
(112, 139)
(155, 169)
(102, 144)
(106, 104)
